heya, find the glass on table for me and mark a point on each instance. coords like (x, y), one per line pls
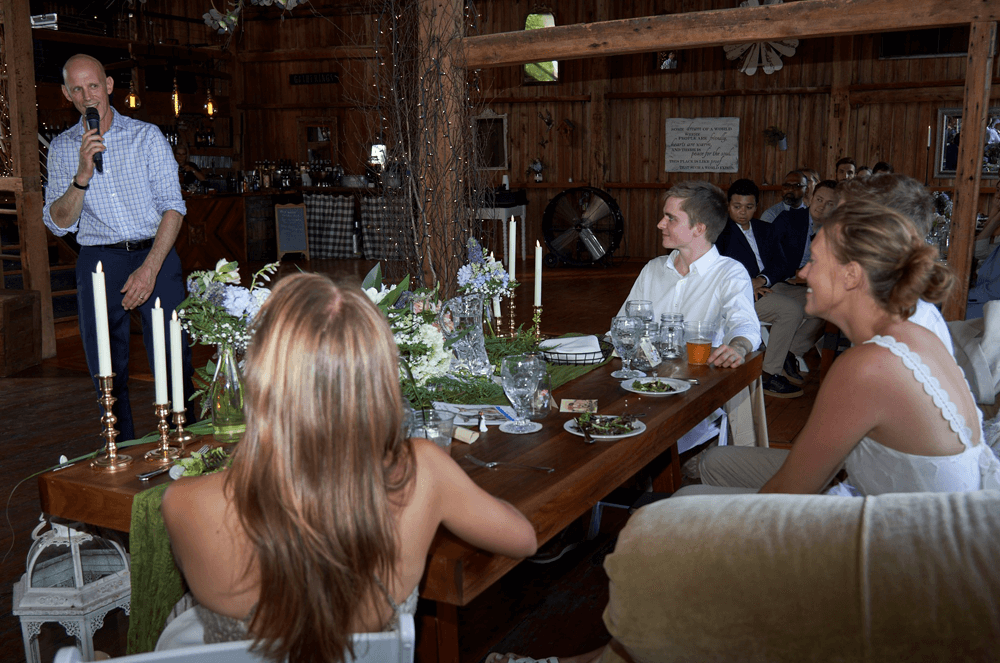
(698, 336)
(647, 355)
(626, 332)
(671, 338)
(519, 377)
(639, 308)
(435, 425)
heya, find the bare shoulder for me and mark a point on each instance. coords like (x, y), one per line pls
(192, 502)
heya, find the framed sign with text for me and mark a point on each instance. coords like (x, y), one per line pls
(702, 145)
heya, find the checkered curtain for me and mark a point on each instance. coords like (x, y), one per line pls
(385, 229)
(331, 225)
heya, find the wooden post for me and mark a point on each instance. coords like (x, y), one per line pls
(837, 129)
(20, 64)
(975, 109)
(598, 112)
(441, 135)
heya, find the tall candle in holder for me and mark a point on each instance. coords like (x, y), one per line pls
(176, 365)
(101, 319)
(159, 354)
(511, 248)
(538, 273)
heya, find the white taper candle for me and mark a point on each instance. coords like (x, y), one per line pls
(511, 248)
(538, 273)
(176, 365)
(101, 319)
(159, 354)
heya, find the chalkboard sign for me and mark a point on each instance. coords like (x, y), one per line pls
(293, 236)
(702, 145)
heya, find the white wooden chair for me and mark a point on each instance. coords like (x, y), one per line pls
(389, 647)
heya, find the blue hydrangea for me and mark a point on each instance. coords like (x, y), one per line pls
(464, 275)
(475, 251)
(215, 293)
(236, 300)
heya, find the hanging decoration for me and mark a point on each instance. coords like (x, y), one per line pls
(210, 108)
(132, 100)
(766, 54)
(175, 97)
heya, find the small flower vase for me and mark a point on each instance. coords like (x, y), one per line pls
(538, 177)
(228, 421)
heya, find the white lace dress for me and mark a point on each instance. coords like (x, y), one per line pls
(873, 468)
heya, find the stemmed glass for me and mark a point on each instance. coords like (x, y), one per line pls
(625, 334)
(519, 376)
(639, 308)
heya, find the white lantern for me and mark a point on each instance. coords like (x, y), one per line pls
(73, 578)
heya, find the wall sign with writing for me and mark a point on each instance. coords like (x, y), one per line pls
(290, 223)
(702, 145)
(314, 79)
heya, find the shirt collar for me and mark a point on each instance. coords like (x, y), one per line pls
(701, 264)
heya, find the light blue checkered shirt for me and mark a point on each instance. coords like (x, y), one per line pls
(127, 200)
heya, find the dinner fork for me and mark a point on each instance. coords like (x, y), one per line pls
(146, 476)
(494, 463)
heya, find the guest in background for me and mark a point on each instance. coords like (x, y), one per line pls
(694, 279)
(757, 246)
(882, 167)
(864, 172)
(321, 526)
(896, 406)
(846, 169)
(812, 179)
(189, 172)
(793, 191)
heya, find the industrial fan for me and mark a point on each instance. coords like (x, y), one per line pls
(582, 226)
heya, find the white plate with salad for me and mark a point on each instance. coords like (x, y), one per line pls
(605, 426)
(656, 386)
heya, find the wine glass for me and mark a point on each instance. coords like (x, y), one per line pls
(625, 334)
(639, 308)
(519, 376)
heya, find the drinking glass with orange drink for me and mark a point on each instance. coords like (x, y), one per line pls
(698, 336)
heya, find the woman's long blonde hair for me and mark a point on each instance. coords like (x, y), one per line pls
(312, 476)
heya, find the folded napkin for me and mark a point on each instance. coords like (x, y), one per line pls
(571, 345)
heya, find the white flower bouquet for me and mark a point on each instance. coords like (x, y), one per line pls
(218, 310)
(422, 349)
(484, 275)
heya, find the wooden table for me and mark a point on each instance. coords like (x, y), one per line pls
(458, 572)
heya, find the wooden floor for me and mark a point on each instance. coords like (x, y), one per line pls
(541, 610)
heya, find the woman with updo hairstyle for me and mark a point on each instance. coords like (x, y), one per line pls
(894, 410)
(321, 526)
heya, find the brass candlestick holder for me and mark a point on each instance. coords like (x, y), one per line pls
(182, 437)
(109, 460)
(510, 312)
(536, 321)
(163, 453)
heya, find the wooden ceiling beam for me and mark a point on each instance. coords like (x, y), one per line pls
(793, 20)
(301, 54)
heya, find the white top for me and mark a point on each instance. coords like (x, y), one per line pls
(929, 317)
(715, 288)
(874, 469)
(752, 241)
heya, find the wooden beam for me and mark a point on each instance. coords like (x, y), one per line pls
(941, 94)
(799, 20)
(978, 77)
(18, 54)
(303, 54)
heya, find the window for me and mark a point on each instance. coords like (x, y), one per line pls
(541, 72)
(934, 42)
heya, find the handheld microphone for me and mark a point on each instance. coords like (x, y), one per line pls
(94, 122)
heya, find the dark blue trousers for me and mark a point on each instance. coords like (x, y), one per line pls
(118, 264)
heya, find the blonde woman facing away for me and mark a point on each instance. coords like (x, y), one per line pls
(321, 526)
(895, 409)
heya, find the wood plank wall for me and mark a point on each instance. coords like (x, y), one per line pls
(892, 102)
